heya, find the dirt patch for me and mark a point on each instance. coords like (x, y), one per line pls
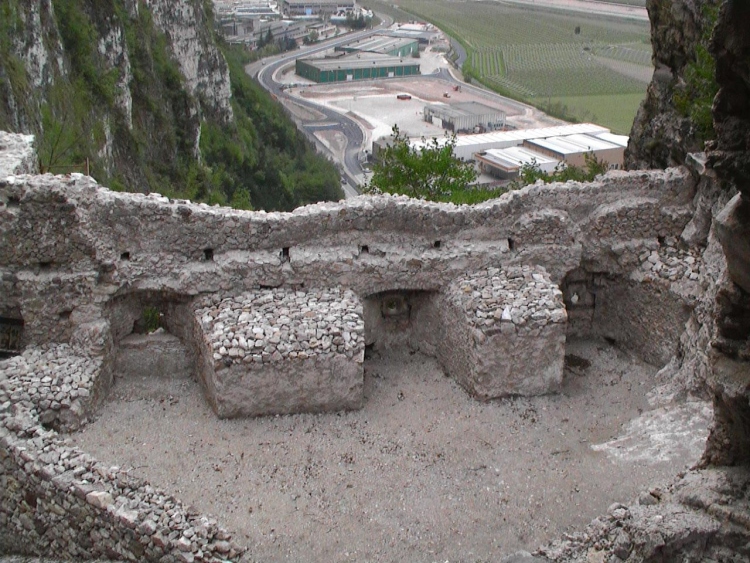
(423, 472)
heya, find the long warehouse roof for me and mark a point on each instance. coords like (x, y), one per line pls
(380, 44)
(574, 144)
(518, 136)
(621, 140)
(360, 60)
(516, 157)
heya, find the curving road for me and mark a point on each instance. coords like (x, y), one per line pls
(351, 169)
(333, 120)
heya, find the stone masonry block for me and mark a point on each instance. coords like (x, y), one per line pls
(280, 351)
(504, 332)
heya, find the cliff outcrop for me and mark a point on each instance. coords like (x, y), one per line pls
(144, 97)
(717, 348)
(664, 132)
(58, 50)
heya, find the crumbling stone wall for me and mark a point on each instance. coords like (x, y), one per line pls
(97, 257)
(58, 501)
(95, 243)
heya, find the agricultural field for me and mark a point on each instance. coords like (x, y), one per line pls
(585, 64)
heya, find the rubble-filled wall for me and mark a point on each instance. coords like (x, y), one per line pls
(80, 263)
(77, 245)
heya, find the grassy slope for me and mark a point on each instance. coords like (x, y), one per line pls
(615, 111)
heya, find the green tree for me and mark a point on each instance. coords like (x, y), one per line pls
(431, 172)
(531, 173)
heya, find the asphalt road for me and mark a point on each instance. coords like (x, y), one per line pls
(333, 120)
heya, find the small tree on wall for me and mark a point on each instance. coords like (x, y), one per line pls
(430, 172)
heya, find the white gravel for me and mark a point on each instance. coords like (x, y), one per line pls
(421, 473)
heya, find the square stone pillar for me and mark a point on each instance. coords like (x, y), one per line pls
(279, 351)
(504, 332)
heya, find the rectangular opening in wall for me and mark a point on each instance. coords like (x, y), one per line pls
(437, 244)
(11, 333)
(208, 254)
(364, 249)
(125, 256)
(285, 254)
(511, 244)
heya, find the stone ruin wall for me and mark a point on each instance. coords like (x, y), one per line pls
(80, 263)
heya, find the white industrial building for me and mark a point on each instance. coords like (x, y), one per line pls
(468, 145)
(507, 163)
(572, 149)
(315, 7)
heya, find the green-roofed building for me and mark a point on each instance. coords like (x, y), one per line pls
(362, 66)
(394, 46)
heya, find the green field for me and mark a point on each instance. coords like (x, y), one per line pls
(551, 59)
(615, 111)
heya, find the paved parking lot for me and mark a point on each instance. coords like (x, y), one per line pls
(375, 106)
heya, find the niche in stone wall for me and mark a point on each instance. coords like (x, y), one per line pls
(11, 336)
(645, 318)
(398, 318)
(151, 335)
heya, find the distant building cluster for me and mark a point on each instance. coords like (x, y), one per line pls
(293, 8)
(502, 154)
(360, 66)
(378, 56)
(248, 22)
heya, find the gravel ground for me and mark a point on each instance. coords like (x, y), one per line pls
(421, 473)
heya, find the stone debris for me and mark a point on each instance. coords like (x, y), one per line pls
(493, 313)
(521, 298)
(17, 154)
(52, 380)
(268, 326)
(50, 488)
(671, 263)
(279, 351)
(702, 516)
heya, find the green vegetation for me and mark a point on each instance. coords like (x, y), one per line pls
(263, 150)
(151, 319)
(695, 97)
(531, 173)
(535, 55)
(357, 22)
(431, 172)
(258, 160)
(615, 111)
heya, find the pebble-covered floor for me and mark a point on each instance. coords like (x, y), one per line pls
(421, 473)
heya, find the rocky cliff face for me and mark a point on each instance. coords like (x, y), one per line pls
(662, 135)
(117, 59)
(729, 157)
(140, 95)
(716, 345)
